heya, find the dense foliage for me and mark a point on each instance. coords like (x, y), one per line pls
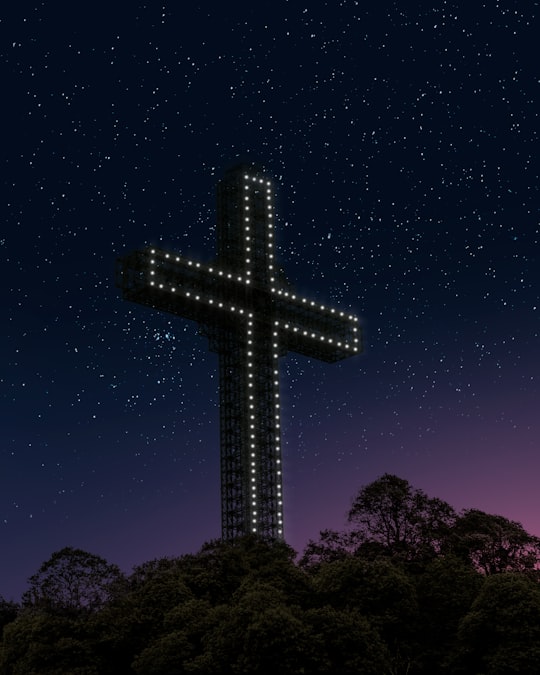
(409, 586)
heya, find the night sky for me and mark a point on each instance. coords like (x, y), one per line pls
(403, 140)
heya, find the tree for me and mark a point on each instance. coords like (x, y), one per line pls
(344, 641)
(401, 519)
(494, 544)
(446, 587)
(500, 635)
(330, 547)
(165, 656)
(219, 568)
(380, 591)
(135, 618)
(72, 580)
(258, 632)
(8, 612)
(40, 643)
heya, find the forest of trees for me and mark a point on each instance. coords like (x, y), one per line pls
(409, 586)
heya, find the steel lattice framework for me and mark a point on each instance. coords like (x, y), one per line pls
(246, 308)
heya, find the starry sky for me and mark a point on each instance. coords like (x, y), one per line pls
(403, 140)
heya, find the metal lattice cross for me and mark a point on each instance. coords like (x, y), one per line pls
(245, 307)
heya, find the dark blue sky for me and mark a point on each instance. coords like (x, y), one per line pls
(404, 144)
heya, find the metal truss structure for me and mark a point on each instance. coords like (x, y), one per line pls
(245, 307)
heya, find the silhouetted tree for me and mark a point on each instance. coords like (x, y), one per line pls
(445, 588)
(131, 620)
(219, 568)
(500, 635)
(381, 591)
(401, 519)
(8, 612)
(259, 632)
(72, 580)
(41, 643)
(409, 588)
(344, 641)
(330, 546)
(494, 544)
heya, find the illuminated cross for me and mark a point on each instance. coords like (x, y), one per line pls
(245, 307)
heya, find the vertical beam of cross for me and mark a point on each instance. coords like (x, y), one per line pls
(251, 318)
(251, 467)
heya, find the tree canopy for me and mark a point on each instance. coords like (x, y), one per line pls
(400, 518)
(72, 579)
(408, 586)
